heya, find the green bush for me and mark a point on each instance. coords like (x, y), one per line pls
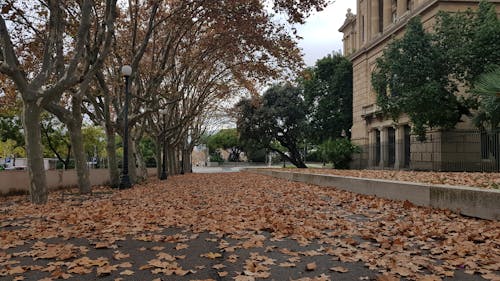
(339, 152)
(216, 157)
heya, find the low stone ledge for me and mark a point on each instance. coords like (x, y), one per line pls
(469, 201)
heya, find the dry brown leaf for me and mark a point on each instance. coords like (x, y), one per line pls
(222, 273)
(124, 265)
(211, 255)
(119, 256)
(105, 270)
(430, 278)
(180, 246)
(311, 266)
(218, 266)
(339, 269)
(387, 277)
(127, 272)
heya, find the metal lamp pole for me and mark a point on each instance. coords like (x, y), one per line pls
(125, 179)
(164, 175)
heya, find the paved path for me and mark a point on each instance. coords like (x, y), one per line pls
(232, 227)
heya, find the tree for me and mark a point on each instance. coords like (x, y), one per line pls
(412, 77)
(227, 139)
(55, 139)
(279, 116)
(487, 88)
(47, 54)
(328, 95)
(469, 41)
(338, 151)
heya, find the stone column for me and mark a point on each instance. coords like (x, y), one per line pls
(374, 18)
(372, 135)
(400, 147)
(387, 13)
(384, 147)
(402, 8)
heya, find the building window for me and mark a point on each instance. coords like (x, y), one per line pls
(362, 28)
(378, 147)
(380, 15)
(409, 5)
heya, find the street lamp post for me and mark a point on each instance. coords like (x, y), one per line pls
(164, 175)
(125, 179)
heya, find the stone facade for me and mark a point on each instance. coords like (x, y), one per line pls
(388, 144)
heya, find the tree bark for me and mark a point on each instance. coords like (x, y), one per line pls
(132, 166)
(76, 136)
(34, 151)
(142, 171)
(114, 174)
(158, 156)
(82, 169)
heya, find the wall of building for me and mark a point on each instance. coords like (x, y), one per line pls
(376, 24)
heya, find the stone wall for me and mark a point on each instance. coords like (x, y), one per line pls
(18, 181)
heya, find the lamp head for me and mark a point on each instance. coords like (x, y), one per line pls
(126, 70)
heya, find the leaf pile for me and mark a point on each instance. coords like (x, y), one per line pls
(245, 212)
(482, 180)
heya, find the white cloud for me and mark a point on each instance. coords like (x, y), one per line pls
(320, 33)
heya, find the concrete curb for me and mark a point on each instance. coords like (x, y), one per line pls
(469, 201)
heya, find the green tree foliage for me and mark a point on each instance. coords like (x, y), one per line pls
(147, 147)
(328, 95)
(412, 77)
(227, 139)
(94, 142)
(338, 151)
(488, 89)
(280, 116)
(469, 41)
(55, 139)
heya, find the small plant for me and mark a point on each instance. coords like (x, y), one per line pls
(339, 152)
(216, 157)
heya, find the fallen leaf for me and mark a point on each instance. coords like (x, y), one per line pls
(339, 269)
(127, 272)
(311, 266)
(211, 255)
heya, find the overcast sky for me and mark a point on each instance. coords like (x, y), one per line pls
(321, 36)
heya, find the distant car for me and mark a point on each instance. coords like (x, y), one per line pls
(16, 168)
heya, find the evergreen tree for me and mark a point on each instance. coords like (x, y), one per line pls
(412, 77)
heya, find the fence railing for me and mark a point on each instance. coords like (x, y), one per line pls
(457, 150)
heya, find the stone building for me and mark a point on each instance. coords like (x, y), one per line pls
(387, 144)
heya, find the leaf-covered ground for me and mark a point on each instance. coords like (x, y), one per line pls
(240, 227)
(482, 180)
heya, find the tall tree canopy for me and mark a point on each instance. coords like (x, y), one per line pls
(186, 56)
(227, 139)
(420, 74)
(278, 116)
(328, 96)
(412, 77)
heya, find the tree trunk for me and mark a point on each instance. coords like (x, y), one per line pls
(186, 160)
(142, 171)
(171, 161)
(82, 169)
(296, 158)
(114, 174)
(132, 166)
(75, 133)
(158, 156)
(34, 151)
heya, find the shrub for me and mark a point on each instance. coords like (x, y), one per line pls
(339, 152)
